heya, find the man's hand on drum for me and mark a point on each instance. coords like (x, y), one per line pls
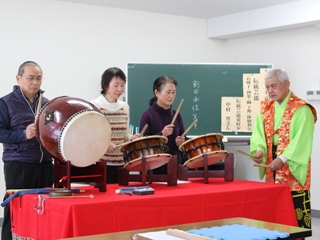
(258, 157)
(167, 130)
(112, 147)
(179, 140)
(31, 131)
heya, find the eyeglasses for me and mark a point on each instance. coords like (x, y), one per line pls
(31, 78)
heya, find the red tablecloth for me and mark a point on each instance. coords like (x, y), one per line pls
(185, 203)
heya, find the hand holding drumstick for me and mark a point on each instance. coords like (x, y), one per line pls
(167, 130)
(258, 157)
(137, 135)
(181, 139)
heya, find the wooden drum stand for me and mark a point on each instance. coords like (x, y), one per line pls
(65, 174)
(228, 173)
(146, 175)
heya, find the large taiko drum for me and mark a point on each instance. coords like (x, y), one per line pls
(210, 144)
(72, 129)
(152, 148)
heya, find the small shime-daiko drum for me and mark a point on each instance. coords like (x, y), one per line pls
(153, 148)
(72, 129)
(210, 144)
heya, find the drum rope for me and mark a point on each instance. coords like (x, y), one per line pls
(41, 198)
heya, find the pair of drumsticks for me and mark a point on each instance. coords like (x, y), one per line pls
(175, 116)
(255, 164)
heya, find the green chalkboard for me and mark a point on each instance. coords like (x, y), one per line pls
(212, 81)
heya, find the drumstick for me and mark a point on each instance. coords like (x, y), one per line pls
(39, 105)
(178, 110)
(188, 129)
(144, 129)
(247, 154)
(260, 165)
(186, 235)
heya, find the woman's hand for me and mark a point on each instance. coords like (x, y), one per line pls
(179, 140)
(137, 135)
(167, 130)
(112, 147)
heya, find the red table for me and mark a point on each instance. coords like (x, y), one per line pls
(186, 203)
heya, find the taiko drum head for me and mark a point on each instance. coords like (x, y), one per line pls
(85, 138)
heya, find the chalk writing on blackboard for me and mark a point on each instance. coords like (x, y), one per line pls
(195, 100)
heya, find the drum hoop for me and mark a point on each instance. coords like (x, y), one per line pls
(181, 147)
(150, 156)
(165, 140)
(65, 127)
(208, 153)
(45, 105)
(161, 156)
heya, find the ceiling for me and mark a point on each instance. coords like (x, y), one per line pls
(190, 8)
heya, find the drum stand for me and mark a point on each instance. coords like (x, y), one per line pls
(228, 173)
(147, 177)
(65, 173)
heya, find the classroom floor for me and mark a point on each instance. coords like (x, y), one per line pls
(315, 229)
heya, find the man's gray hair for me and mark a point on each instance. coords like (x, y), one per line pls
(280, 73)
(27, 63)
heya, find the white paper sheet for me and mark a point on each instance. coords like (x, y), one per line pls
(160, 235)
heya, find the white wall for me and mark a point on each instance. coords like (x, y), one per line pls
(75, 43)
(297, 51)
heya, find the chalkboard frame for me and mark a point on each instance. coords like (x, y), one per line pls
(140, 78)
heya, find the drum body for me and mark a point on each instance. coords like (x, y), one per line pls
(72, 129)
(209, 144)
(153, 148)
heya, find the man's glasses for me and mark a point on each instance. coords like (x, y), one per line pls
(31, 78)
